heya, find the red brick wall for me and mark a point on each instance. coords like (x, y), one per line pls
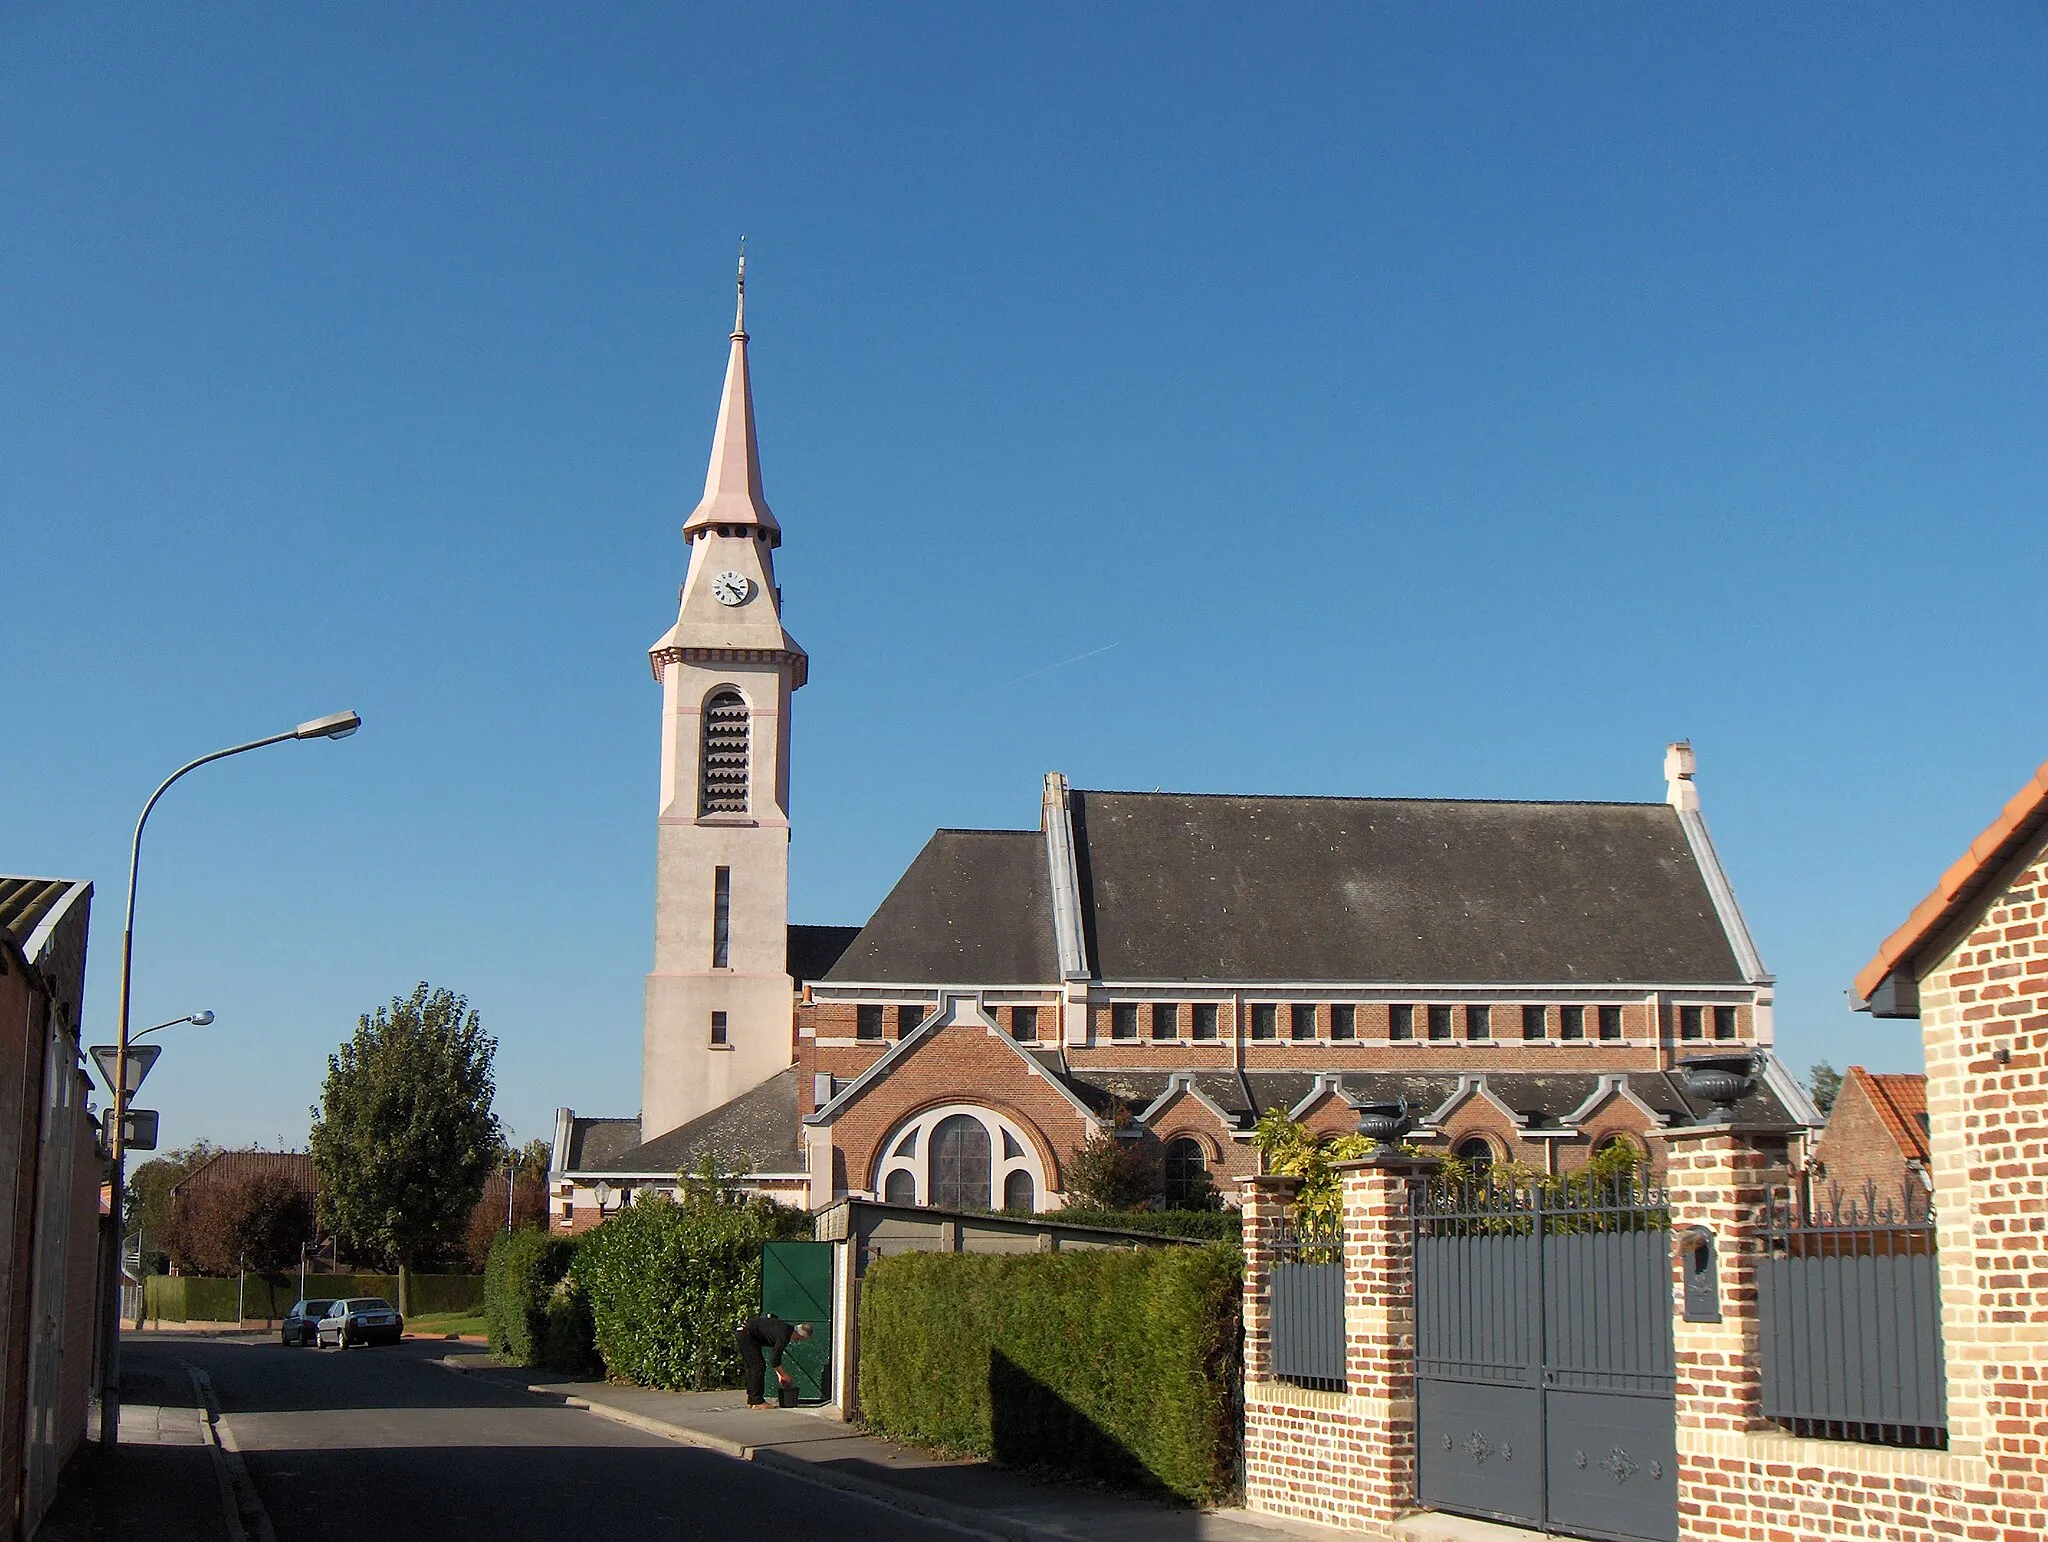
(1857, 1149)
(958, 1063)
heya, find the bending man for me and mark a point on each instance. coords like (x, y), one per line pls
(767, 1332)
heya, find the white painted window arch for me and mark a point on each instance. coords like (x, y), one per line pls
(935, 1158)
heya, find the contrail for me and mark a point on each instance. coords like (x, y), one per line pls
(1062, 664)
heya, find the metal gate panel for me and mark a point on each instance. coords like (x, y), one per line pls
(1612, 1468)
(796, 1285)
(1481, 1448)
(1308, 1323)
(1544, 1366)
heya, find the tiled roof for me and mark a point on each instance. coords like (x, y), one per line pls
(594, 1142)
(756, 1132)
(1900, 1099)
(234, 1166)
(2022, 818)
(1185, 887)
(974, 907)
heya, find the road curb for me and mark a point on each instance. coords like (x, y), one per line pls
(247, 1519)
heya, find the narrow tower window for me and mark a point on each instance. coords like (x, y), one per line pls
(721, 918)
(723, 788)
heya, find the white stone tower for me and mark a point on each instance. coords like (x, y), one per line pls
(719, 999)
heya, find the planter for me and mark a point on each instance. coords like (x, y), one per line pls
(1385, 1123)
(1720, 1080)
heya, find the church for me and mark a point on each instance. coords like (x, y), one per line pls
(1160, 968)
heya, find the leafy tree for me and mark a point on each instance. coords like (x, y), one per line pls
(1826, 1084)
(404, 1136)
(258, 1223)
(487, 1220)
(147, 1201)
(1111, 1174)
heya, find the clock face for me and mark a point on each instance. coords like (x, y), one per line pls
(731, 588)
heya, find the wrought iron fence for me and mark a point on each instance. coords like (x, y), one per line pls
(1308, 1306)
(1849, 1301)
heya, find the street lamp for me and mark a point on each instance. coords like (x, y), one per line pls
(197, 1020)
(336, 725)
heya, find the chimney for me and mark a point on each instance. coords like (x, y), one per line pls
(1679, 764)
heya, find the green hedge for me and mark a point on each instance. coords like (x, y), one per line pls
(668, 1283)
(520, 1275)
(1203, 1225)
(1100, 1364)
(207, 1298)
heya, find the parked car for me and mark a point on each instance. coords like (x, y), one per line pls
(361, 1320)
(302, 1322)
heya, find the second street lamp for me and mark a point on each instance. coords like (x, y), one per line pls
(336, 725)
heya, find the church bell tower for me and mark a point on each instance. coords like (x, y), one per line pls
(719, 999)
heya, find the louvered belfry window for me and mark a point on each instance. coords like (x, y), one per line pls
(724, 780)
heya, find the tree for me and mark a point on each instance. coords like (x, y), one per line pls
(1826, 1084)
(487, 1220)
(147, 1203)
(258, 1223)
(1111, 1174)
(404, 1136)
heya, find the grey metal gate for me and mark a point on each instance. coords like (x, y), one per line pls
(1543, 1362)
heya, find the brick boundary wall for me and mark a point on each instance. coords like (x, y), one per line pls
(1341, 1458)
(1740, 1476)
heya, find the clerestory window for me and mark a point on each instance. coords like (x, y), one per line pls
(723, 783)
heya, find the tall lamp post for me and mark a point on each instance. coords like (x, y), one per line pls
(336, 725)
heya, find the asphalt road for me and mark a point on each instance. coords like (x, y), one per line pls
(378, 1445)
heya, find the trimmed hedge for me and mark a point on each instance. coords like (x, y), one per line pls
(209, 1298)
(520, 1276)
(1099, 1364)
(1203, 1225)
(668, 1283)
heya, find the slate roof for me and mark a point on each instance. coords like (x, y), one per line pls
(594, 1142)
(815, 949)
(1178, 886)
(1541, 1099)
(974, 907)
(755, 1133)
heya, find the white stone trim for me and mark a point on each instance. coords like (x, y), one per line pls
(1722, 892)
(918, 1165)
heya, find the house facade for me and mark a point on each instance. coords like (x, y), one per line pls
(1162, 968)
(1874, 1149)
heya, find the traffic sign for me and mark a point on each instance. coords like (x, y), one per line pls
(140, 1058)
(138, 1130)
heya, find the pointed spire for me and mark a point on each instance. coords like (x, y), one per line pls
(732, 483)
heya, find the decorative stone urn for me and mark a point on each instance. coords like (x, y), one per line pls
(1720, 1080)
(1386, 1123)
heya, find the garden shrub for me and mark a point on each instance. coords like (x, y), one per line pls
(1100, 1364)
(519, 1277)
(668, 1283)
(568, 1337)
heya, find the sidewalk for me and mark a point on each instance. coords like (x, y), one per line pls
(970, 1494)
(161, 1483)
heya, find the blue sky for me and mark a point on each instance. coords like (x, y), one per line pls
(1454, 403)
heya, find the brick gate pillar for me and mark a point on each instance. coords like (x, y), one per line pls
(1716, 1178)
(1379, 1331)
(1267, 1200)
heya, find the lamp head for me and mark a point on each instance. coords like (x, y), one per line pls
(336, 725)
(200, 1019)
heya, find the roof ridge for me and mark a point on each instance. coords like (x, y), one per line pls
(1348, 797)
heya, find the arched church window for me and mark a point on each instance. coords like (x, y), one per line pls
(1185, 1172)
(1019, 1193)
(901, 1189)
(723, 786)
(960, 1164)
(1476, 1153)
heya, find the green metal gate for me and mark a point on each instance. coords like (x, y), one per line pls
(796, 1285)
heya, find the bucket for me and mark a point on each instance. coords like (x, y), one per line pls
(785, 1397)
